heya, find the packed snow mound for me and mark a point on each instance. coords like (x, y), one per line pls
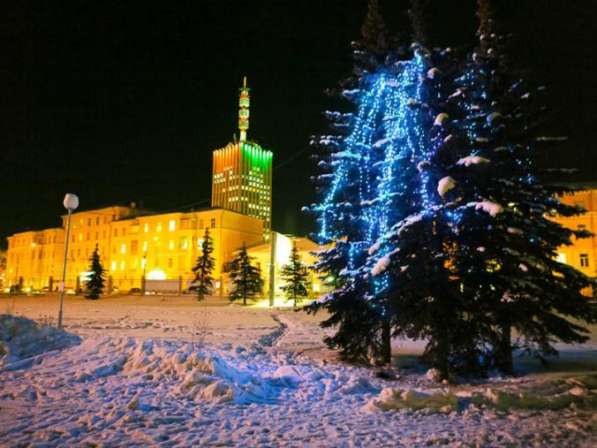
(579, 392)
(396, 399)
(22, 338)
(199, 374)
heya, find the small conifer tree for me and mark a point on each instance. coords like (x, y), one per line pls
(246, 278)
(203, 269)
(94, 286)
(296, 277)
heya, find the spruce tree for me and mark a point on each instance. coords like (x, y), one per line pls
(203, 269)
(507, 242)
(94, 286)
(350, 159)
(374, 176)
(246, 278)
(296, 277)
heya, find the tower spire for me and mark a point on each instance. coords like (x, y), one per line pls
(244, 102)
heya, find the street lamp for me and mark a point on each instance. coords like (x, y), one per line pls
(71, 202)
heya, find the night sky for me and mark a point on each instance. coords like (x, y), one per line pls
(124, 101)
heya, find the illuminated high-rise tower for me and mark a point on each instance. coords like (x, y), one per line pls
(242, 172)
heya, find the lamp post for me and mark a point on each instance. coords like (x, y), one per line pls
(71, 202)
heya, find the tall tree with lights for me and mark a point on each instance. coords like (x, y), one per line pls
(203, 269)
(94, 286)
(374, 178)
(506, 249)
(246, 278)
(349, 159)
(412, 259)
(296, 277)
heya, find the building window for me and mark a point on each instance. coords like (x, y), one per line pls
(113, 267)
(144, 246)
(123, 248)
(146, 227)
(115, 232)
(171, 244)
(123, 231)
(158, 228)
(561, 258)
(213, 223)
(584, 260)
(122, 265)
(172, 225)
(97, 221)
(88, 221)
(169, 262)
(134, 247)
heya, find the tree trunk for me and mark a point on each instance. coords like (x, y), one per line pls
(503, 351)
(385, 353)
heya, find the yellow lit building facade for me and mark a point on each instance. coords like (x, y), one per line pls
(156, 251)
(582, 254)
(262, 255)
(133, 249)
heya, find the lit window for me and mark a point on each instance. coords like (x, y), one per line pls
(158, 228)
(561, 258)
(171, 244)
(146, 227)
(584, 260)
(184, 244)
(122, 265)
(113, 266)
(144, 246)
(123, 248)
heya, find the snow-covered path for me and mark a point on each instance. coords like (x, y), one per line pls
(274, 387)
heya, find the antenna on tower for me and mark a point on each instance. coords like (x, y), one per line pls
(244, 102)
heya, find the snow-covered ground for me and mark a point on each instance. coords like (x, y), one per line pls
(166, 371)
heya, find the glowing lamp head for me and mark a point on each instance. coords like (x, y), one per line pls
(71, 202)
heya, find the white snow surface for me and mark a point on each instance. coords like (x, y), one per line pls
(492, 208)
(472, 160)
(381, 265)
(445, 184)
(169, 372)
(441, 119)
